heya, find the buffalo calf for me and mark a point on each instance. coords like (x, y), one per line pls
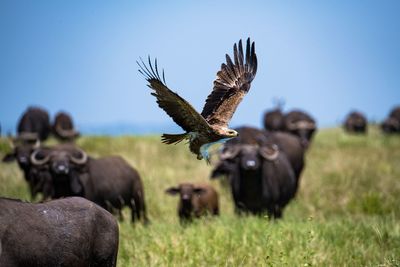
(195, 200)
(66, 232)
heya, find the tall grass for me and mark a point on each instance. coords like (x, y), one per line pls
(346, 212)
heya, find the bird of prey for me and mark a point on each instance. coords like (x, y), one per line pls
(211, 126)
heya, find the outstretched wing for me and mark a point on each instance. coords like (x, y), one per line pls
(232, 83)
(175, 106)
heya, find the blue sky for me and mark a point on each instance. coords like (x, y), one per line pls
(326, 57)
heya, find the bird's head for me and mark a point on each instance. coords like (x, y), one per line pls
(229, 133)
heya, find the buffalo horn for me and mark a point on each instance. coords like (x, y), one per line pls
(270, 153)
(27, 136)
(81, 160)
(37, 144)
(305, 125)
(36, 161)
(229, 152)
(291, 125)
(65, 133)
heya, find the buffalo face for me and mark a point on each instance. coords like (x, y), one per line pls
(64, 165)
(303, 129)
(195, 200)
(186, 193)
(21, 153)
(250, 157)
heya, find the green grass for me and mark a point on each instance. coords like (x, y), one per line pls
(346, 213)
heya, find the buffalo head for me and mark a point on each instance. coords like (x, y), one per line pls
(21, 152)
(64, 163)
(303, 129)
(250, 157)
(186, 192)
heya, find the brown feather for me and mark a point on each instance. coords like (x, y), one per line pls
(175, 106)
(232, 83)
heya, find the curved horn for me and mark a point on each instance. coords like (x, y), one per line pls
(270, 153)
(65, 133)
(305, 125)
(291, 125)
(37, 144)
(27, 136)
(36, 161)
(82, 160)
(229, 152)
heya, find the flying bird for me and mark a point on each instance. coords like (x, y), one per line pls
(211, 126)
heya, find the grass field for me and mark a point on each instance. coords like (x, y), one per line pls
(347, 211)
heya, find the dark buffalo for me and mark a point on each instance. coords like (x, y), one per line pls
(287, 143)
(109, 181)
(195, 200)
(274, 120)
(395, 113)
(66, 232)
(248, 135)
(355, 122)
(34, 124)
(292, 147)
(261, 178)
(21, 152)
(392, 123)
(301, 124)
(63, 127)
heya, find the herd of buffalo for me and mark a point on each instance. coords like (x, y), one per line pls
(262, 167)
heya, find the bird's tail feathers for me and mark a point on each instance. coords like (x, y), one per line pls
(173, 138)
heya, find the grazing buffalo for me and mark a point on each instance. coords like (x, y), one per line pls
(261, 178)
(392, 123)
(301, 124)
(34, 124)
(355, 122)
(195, 200)
(63, 127)
(66, 232)
(21, 152)
(287, 143)
(109, 181)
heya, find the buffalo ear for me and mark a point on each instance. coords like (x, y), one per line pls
(199, 190)
(76, 184)
(172, 191)
(9, 157)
